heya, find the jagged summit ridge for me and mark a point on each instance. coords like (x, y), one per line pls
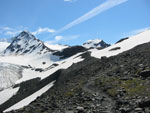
(26, 43)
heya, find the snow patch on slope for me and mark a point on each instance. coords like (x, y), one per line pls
(127, 44)
(7, 94)
(64, 64)
(30, 98)
(32, 60)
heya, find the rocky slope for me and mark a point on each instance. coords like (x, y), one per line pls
(118, 84)
(84, 84)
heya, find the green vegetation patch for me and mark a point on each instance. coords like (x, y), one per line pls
(115, 85)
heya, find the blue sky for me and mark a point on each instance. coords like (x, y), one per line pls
(73, 22)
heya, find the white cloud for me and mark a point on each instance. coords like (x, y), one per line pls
(62, 38)
(43, 30)
(12, 33)
(58, 38)
(6, 28)
(92, 13)
(8, 31)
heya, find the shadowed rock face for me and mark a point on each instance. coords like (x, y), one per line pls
(26, 43)
(70, 51)
(109, 85)
(122, 40)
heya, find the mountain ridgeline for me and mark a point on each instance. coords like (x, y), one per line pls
(93, 78)
(26, 43)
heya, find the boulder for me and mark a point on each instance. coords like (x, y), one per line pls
(145, 74)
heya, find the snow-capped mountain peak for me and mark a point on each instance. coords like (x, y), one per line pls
(96, 43)
(26, 43)
(25, 35)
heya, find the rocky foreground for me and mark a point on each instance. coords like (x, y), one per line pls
(119, 84)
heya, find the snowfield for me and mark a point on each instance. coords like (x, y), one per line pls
(125, 45)
(30, 98)
(7, 94)
(32, 60)
(9, 74)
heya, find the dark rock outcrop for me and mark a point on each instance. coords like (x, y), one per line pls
(70, 51)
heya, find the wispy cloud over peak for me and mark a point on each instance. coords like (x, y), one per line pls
(12, 33)
(6, 28)
(9, 31)
(92, 13)
(41, 30)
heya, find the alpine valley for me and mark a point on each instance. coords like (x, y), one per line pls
(96, 77)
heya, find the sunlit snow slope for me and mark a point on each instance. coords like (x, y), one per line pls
(125, 45)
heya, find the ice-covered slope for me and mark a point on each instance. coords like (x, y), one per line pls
(3, 46)
(26, 43)
(125, 45)
(9, 74)
(97, 43)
